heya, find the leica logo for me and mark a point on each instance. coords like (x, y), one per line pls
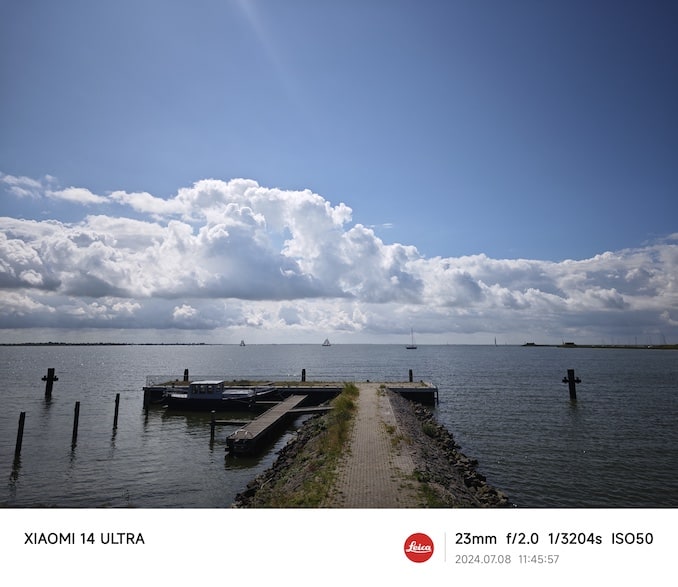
(418, 547)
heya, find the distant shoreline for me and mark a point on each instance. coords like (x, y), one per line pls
(106, 343)
(571, 345)
(566, 345)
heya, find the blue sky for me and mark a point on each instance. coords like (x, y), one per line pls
(469, 169)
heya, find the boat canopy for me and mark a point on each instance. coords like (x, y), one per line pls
(206, 387)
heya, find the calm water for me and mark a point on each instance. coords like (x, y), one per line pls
(617, 446)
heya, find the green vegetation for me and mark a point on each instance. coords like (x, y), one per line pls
(431, 495)
(340, 419)
(430, 429)
(395, 436)
(311, 477)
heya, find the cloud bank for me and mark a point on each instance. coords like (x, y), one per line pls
(223, 258)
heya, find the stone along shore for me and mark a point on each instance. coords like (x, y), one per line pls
(398, 455)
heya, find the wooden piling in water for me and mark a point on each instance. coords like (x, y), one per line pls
(411, 376)
(19, 436)
(303, 375)
(213, 423)
(76, 419)
(571, 380)
(117, 409)
(186, 375)
(49, 380)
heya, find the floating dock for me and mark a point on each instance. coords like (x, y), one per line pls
(317, 392)
(250, 438)
(421, 392)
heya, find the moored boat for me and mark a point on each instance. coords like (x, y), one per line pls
(412, 345)
(216, 394)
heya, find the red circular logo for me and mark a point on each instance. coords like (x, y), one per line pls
(418, 548)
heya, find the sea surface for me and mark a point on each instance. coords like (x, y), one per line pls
(616, 446)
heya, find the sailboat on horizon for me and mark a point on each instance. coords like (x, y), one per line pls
(411, 345)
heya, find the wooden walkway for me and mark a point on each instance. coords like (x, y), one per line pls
(249, 438)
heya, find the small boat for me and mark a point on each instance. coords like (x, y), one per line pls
(411, 345)
(326, 342)
(215, 395)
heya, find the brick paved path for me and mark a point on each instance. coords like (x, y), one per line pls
(376, 471)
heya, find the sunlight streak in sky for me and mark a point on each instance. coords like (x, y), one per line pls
(270, 49)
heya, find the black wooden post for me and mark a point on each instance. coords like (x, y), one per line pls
(49, 379)
(186, 375)
(411, 376)
(571, 380)
(213, 423)
(76, 419)
(303, 374)
(19, 436)
(117, 409)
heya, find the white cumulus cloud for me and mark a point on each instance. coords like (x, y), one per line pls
(236, 255)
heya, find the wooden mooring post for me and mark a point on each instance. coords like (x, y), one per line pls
(49, 380)
(303, 375)
(213, 424)
(186, 375)
(117, 409)
(572, 381)
(411, 376)
(19, 436)
(76, 419)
